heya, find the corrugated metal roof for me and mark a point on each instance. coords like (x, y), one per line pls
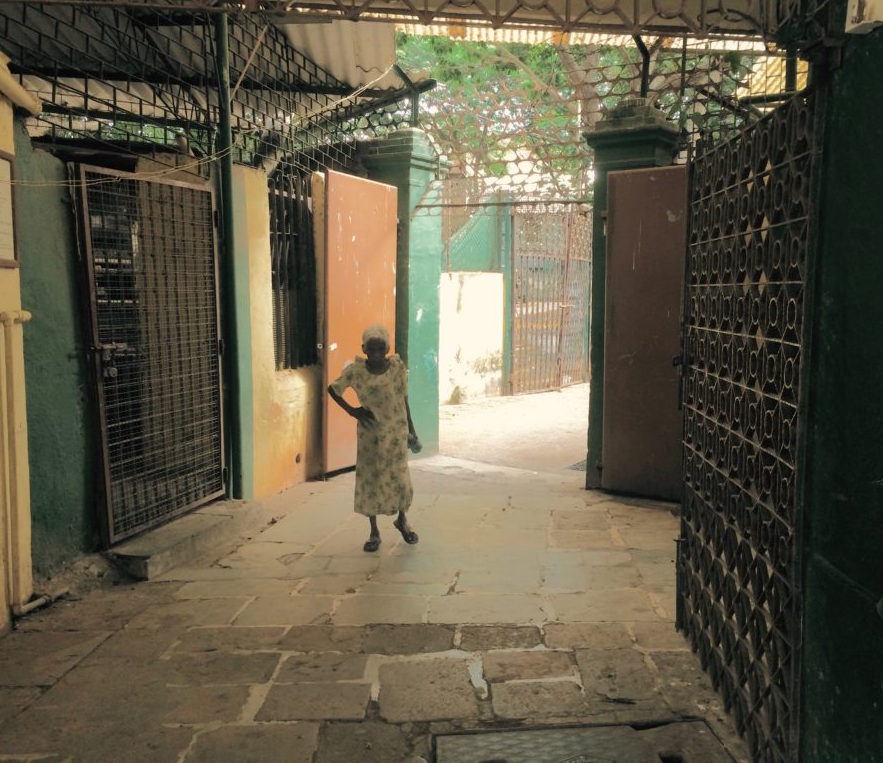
(512, 35)
(357, 53)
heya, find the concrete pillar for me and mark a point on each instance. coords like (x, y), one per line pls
(633, 136)
(407, 160)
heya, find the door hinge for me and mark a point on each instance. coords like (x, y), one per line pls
(221, 347)
(216, 217)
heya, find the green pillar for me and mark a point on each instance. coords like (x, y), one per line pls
(842, 423)
(633, 136)
(407, 160)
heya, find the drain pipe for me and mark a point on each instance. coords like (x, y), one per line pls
(20, 610)
(230, 347)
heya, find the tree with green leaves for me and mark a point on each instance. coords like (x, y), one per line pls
(514, 115)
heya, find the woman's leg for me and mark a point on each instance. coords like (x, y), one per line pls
(401, 524)
(373, 542)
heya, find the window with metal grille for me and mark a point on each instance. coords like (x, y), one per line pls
(295, 324)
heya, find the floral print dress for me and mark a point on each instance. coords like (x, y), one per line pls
(383, 482)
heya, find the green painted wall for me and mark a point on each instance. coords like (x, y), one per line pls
(484, 245)
(842, 676)
(407, 161)
(62, 439)
(426, 248)
(241, 385)
(477, 246)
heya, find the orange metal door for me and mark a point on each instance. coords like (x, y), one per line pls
(360, 289)
(646, 248)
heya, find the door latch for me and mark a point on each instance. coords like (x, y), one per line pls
(107, 352)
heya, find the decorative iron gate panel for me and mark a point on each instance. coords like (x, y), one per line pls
(738, 584)
(151, 276)
(551, 268)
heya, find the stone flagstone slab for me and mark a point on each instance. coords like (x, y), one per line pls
(426, 690)
(258, 743)
(537, 699)
(328, 701)
(508, 666)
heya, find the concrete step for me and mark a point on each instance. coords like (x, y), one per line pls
(185, 539)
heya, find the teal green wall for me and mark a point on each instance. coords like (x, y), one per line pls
(477, 246)
(406, 160)
(484, 245)
(426, 247)
(241, 385)
(842, 676)
(62, 438)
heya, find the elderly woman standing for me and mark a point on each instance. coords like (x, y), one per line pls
(385, 431)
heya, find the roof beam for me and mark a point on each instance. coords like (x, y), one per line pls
(166, 80)
(671, 17)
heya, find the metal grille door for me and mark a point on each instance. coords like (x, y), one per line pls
(152, 283)
(293, 269)
(551, 267)
(751, 220)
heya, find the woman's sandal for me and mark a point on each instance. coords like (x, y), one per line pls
(409, 535)
(372, 544)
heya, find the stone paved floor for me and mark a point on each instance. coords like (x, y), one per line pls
(528, 601)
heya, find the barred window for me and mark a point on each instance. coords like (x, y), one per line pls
(293, 271)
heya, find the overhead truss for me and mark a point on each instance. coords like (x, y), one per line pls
(745, 17)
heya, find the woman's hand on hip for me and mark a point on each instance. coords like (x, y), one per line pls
(364, 415)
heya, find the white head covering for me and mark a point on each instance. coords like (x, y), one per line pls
(376, 331)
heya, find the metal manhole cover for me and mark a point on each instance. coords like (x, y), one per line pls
(681, 741)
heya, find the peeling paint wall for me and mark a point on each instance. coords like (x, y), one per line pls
(285, 406)
(62, 437)
(484, 244)
(470, 350)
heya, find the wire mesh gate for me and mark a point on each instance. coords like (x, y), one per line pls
(738, 585)
(152, 283)
(551, 271)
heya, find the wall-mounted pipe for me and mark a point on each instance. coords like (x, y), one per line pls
(645, 65)
(20, 610)
(16, 502)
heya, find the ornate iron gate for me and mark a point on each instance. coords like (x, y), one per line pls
(152, 283)
(738, 583)
(551, 271)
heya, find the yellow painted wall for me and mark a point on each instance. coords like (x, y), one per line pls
(16, 579)
(286, 404)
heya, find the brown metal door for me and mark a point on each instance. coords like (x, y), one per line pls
(360, 289)
(646, 245)
(151, 274)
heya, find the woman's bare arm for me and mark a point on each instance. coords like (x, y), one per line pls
(361, 413)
